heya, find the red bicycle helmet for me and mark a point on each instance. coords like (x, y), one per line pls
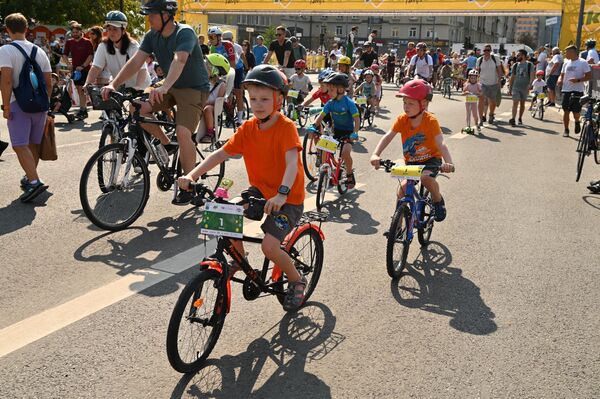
(375, 67)
(300, 64)
(416, 89)
(539, 73)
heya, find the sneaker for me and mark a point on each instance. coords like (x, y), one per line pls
(81, 114)
(70, 118)
(24, 182)
(520, 121)
(439, 210)
(3, 146)
(577, 127)
(566, 133)
(511, 121)
(350, 181)
(594, 188)
(492, 118)
(183, 198)
(483, 119)
(294, 296)
(32, 190)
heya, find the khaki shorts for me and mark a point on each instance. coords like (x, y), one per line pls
(190, 104)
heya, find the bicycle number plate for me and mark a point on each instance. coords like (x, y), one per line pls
(472, 99)
(541, 96)
(223, 220)
(327, 144)
(407, 172)
(361, 100)
(293, 93)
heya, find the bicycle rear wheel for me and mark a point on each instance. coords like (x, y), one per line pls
(583, 147)
(425, 217)
(310, 155)
(541, 111)
(302, 118)
(342, 177)
(306, 251)
(196, 321)
(397, 241)
(322, 189)
(115, 195)
(370, 116)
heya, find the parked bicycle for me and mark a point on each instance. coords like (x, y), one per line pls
(589, 140)
(199, 313)
(115, 183)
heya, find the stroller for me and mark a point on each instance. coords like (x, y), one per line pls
(60, 94)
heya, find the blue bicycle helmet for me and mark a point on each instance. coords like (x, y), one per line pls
(324, 74)
(116, 18)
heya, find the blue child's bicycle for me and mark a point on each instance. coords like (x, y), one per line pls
(413, 211)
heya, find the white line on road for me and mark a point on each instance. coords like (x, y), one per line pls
(38, 326)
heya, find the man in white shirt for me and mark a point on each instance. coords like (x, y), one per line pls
(25, 128)
(542, 59)
(490, 71)
(575, 72)
(592, 54)
(421, 64)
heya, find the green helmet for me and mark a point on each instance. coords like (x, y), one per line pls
(218, 63)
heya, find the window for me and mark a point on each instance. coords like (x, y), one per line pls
(355, 17)
(338, 30)
(413, 18)
(412, 32)
(323, 29)
(395, 32)
(324, 17)
(340, 17)
(429, 34)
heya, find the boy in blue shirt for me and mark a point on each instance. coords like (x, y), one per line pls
(345, 119)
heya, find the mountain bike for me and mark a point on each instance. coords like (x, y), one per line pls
(293, 108)
(115, 182)
(199, 313)
(413, 212)
(589, 140)
(537, 110)
(332, 170)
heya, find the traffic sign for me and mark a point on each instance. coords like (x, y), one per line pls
(551, 21)
(249, 29)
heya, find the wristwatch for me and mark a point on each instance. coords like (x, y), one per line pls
(283, 190)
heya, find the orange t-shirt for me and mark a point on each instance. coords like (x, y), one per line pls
(264, 156)
(419, 144)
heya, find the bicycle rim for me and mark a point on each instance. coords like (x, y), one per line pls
(397, 242)
(196, 321)
(112, 195)
(322, 189)
(309, 157)
(426, 216)
(582, 149)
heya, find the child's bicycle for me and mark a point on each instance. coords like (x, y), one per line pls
(332, 171)
(447, 87)
(471, 99)
(199, 313)
(365, 109)
(311, 156)
(293, 108)
(413, 211)
(537, 109)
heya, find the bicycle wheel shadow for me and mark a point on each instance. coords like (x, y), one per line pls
(430, 284)
(302, 337)
(591, 200)
(346, 209)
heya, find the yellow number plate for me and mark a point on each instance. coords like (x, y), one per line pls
(327, 144)
(361, 100)
(541, 95)
(293, 93)
(409, 172)
(472, 99)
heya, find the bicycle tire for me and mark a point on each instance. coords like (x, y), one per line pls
(96, 214)
(361, 115)
(322, 188)
(424, 233)
(311, 271)
(371, 118)
(595, 143)
(107, 136)
(302, 118)
(193, 291)
(309, 157)
(342, 187)
(541, 112)
(397, 235)
(246, 108)
(212, 178)
(582, 147)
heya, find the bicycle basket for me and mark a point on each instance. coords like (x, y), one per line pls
(99, 104)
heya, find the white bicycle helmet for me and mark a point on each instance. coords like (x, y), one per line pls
(215, 30)
(228, 35)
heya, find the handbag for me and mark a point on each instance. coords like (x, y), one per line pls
(48, 144)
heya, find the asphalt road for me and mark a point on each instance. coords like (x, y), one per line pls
(502, 303)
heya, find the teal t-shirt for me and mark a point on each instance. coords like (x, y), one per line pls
(522, 73)
(194, 74)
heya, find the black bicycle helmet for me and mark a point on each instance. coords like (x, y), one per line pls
(266, 75)
(158, 6)
(590, 43)
(338, 79)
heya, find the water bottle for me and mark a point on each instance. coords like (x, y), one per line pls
(76, 75)
(34, 79)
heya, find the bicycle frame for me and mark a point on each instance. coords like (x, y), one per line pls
(330, 163)
(416, 204)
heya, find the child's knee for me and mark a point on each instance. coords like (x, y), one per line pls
(270, 246)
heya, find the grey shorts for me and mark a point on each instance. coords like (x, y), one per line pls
(520, 94)
(279, 224)
(490, 91)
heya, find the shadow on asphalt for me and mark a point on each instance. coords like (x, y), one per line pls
(482, 136)
(305, 336)
(80, 126)
(591, 200)
(346, 210)
(547, 131)
(430, 284)
(17, 215)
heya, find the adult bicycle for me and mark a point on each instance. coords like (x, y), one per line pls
(115, 182)
(414, 211)
(589, 140)
(199, 314)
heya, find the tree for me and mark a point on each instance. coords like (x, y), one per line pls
(527, 39)
(270, 34)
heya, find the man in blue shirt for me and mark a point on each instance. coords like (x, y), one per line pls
(260, 50)
(186, 84)
(471, 61)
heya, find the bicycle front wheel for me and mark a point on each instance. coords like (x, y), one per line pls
(583, 147)
(322, 189)
(309, 157)
(342, 177)
(196, 321)
(425, 218)
(397, 241)
(113, 193)
(370, 117)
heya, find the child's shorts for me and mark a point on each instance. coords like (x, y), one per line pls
(280, 224)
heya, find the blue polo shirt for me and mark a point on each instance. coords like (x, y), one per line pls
(342, 113)
(259, 53)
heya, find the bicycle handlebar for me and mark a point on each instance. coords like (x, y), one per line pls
(255, 207)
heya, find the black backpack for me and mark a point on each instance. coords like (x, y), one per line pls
(31, 99)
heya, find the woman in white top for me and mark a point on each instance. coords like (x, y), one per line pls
(115, 51)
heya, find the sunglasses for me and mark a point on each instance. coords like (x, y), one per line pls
(298, 69)
(487, 50)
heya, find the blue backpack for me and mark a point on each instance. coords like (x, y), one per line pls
(31, 93)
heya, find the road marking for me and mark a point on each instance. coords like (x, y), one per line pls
(31, 329)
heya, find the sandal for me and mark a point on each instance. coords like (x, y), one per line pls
(350, 181)
(294, 296)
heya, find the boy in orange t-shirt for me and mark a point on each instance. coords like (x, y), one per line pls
(270, 146)
(422, 141)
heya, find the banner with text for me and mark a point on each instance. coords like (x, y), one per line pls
(570, 19)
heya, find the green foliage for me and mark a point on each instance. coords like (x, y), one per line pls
(86, 12)
(270, 34)
(527, 39)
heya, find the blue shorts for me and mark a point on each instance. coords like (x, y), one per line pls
(551, 81)
(239, 78)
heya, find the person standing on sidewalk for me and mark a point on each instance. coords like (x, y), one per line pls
(259, 50)
(552, 74)
(25, 128)
(490, 71)
(575, 72)
(521, 77)
(81, 51)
